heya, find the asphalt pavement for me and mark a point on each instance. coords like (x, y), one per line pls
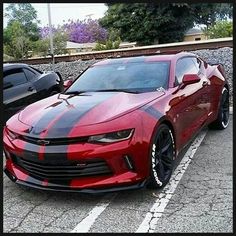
(201, 200)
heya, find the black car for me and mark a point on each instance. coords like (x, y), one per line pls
(23, 85)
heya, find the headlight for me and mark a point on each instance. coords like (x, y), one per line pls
(111, 137)
(11, 134)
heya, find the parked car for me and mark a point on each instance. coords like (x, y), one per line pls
(119, 126)
(23, 85)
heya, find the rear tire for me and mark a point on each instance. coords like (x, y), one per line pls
(222, 120)
(162, 157)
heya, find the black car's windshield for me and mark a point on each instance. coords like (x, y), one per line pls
(127, 77)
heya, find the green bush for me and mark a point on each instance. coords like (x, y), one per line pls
(109, 44)
(220, 29)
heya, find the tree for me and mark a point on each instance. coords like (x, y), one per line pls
(26, 15)
(220, 29)
(86, 31)
(60, 37)
(209, 13)
(16, 44)
(109, 44)
(41, 47)
(59, 40)
(147, 23)
(113, 41)
(21, 31)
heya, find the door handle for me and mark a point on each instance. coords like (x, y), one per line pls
(30, 89)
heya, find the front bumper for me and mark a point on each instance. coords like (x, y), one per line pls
(59, 188)
(121, 177)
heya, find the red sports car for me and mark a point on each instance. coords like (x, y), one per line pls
(120, 125)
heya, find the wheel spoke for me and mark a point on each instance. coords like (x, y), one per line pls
(164, 155)
(160, 170)
(167, 141)
(166, 163)
(164, 149)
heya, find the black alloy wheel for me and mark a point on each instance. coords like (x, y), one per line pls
(222, 120)
(225, 108)
(162, 157)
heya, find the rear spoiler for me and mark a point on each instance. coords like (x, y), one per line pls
(220, 67)
(59, 75)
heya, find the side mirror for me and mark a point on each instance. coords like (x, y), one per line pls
(7, 85)
(67, 83)
(190, 79)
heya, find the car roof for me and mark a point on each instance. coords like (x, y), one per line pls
(7, 66)
(166, 57)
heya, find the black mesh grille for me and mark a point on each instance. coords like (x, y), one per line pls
(66, 171)
(54, 141)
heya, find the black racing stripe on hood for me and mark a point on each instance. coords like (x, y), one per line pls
(55, 110)
(67, 121)
(153, 112)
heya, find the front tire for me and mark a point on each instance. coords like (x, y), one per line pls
(222, 120)
(162, 157)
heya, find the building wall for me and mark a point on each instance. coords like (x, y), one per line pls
(195, 37)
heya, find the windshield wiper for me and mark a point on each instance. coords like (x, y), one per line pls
(75, 92)
(102, 90)
(116, 90)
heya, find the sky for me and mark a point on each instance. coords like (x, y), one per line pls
(62, 12)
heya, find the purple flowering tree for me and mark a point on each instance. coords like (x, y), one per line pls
(44, 31)
(86, 31)
(80, 31)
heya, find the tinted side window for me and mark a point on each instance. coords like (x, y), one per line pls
(185, 66)
(30, 74)
(197, 63)
(15, 77)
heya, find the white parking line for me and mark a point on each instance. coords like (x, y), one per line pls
(151, 218)
(150, 221)
(88, 221)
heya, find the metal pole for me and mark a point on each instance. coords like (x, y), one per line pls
(51, 36)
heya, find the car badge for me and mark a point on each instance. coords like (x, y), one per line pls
(43, 142)
(81, 164)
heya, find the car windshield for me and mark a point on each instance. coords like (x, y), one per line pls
(138, 76)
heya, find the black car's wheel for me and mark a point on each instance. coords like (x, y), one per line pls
(222, 120)
(162, 157)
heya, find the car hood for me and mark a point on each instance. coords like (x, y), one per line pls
(63, 112)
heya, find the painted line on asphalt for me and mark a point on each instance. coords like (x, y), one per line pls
(150, 221)
(85, 225)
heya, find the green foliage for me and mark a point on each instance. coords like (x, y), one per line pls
(26, 15)
(6, 57)
(21, 31)
(16, 44)
(108, 45)
(59, 42)
(220, 29)
(113, 41)
(147, 23)
(209, 13)
(42, 46)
